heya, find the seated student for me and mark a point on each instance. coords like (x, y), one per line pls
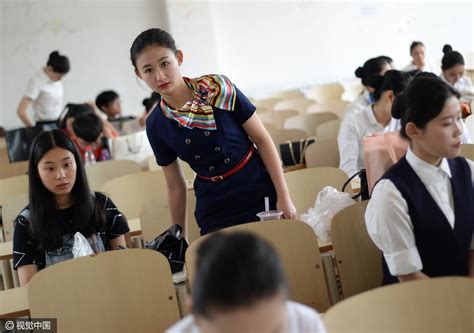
(419, 61)
(240, 286)
(88, 130)
(372, 68)
(421, 214)
(374, 118)
(61, 204)
(452, 66)
(70, 112)
(109, 103)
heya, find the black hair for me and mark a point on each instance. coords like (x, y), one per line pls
(415, 44)
(451, 58)
(386, 58)
(88, 216)
(105, 98)
(72, 111)
(59, 63)
(151, 37)
(150, 102)
(87, 126)
(392, 80)
(421, 101)
(371, 70)
(235, 270)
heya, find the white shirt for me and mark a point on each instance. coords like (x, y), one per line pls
(389, 224)
(47, 96)
(361, 102)
(301, 318)
(463, 85)
(429, 67)
(354, 127)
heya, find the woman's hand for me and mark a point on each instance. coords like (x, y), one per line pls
(287, 207)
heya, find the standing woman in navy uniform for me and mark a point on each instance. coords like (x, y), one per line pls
(210, 124)
(421, 214)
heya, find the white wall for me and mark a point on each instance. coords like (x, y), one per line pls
(289, 44)
(261, 45)
(95, 35)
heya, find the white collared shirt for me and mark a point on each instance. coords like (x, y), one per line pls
(46, 95)
(463, 85)
(429, 67)
(361, 102)
(354, 127)
(389, 224)
(301, 318)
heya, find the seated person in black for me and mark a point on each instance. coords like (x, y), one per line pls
(61, 204)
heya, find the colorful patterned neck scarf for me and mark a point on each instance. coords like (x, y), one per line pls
(208, 91)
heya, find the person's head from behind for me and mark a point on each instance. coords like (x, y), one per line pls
(239, 285)
(387, 87)
(72, 111)
(430, 117)
(417, 52)
(372, 68)
(57, 66)
(56, 178)
(157, 60)
(109, 103)
(88, 129)
(452, 64)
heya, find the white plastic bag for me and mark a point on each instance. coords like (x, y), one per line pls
(328, 203)
(81, 246)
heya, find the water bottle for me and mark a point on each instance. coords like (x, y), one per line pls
(105, 153)
(89, 157)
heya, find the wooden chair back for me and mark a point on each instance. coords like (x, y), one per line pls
(297, 246)
(433, 305)
(305, 184)
(322, 153)
(358, 260)
(100, 173)
(116, 291)
(131, 191)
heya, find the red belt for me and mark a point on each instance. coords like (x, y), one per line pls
(235, 169)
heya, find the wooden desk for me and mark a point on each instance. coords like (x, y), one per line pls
(6, 250)
(135, 227)
(14, 303)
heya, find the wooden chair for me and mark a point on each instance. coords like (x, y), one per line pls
(10, 210)
(298, 104)
(284, 135)
(155, 218)
(267, 103)
(328, 130)
(359, 261)
(277, 118)
(297, 246)
(309, 122)
(305, 184)
(13, 169)
(323, 93)
(336, 107)
(322, 153)
(467, 150)
(100, 173)
(189, 173)
(289, 94)
(115, 291)
(434, 305)
(130, 192)
(12, 186)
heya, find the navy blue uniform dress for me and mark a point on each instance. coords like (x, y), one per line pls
(211, 152)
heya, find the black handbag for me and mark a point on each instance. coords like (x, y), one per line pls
(292, 153)
(364, 188)
(172, 246)
(19, 142)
